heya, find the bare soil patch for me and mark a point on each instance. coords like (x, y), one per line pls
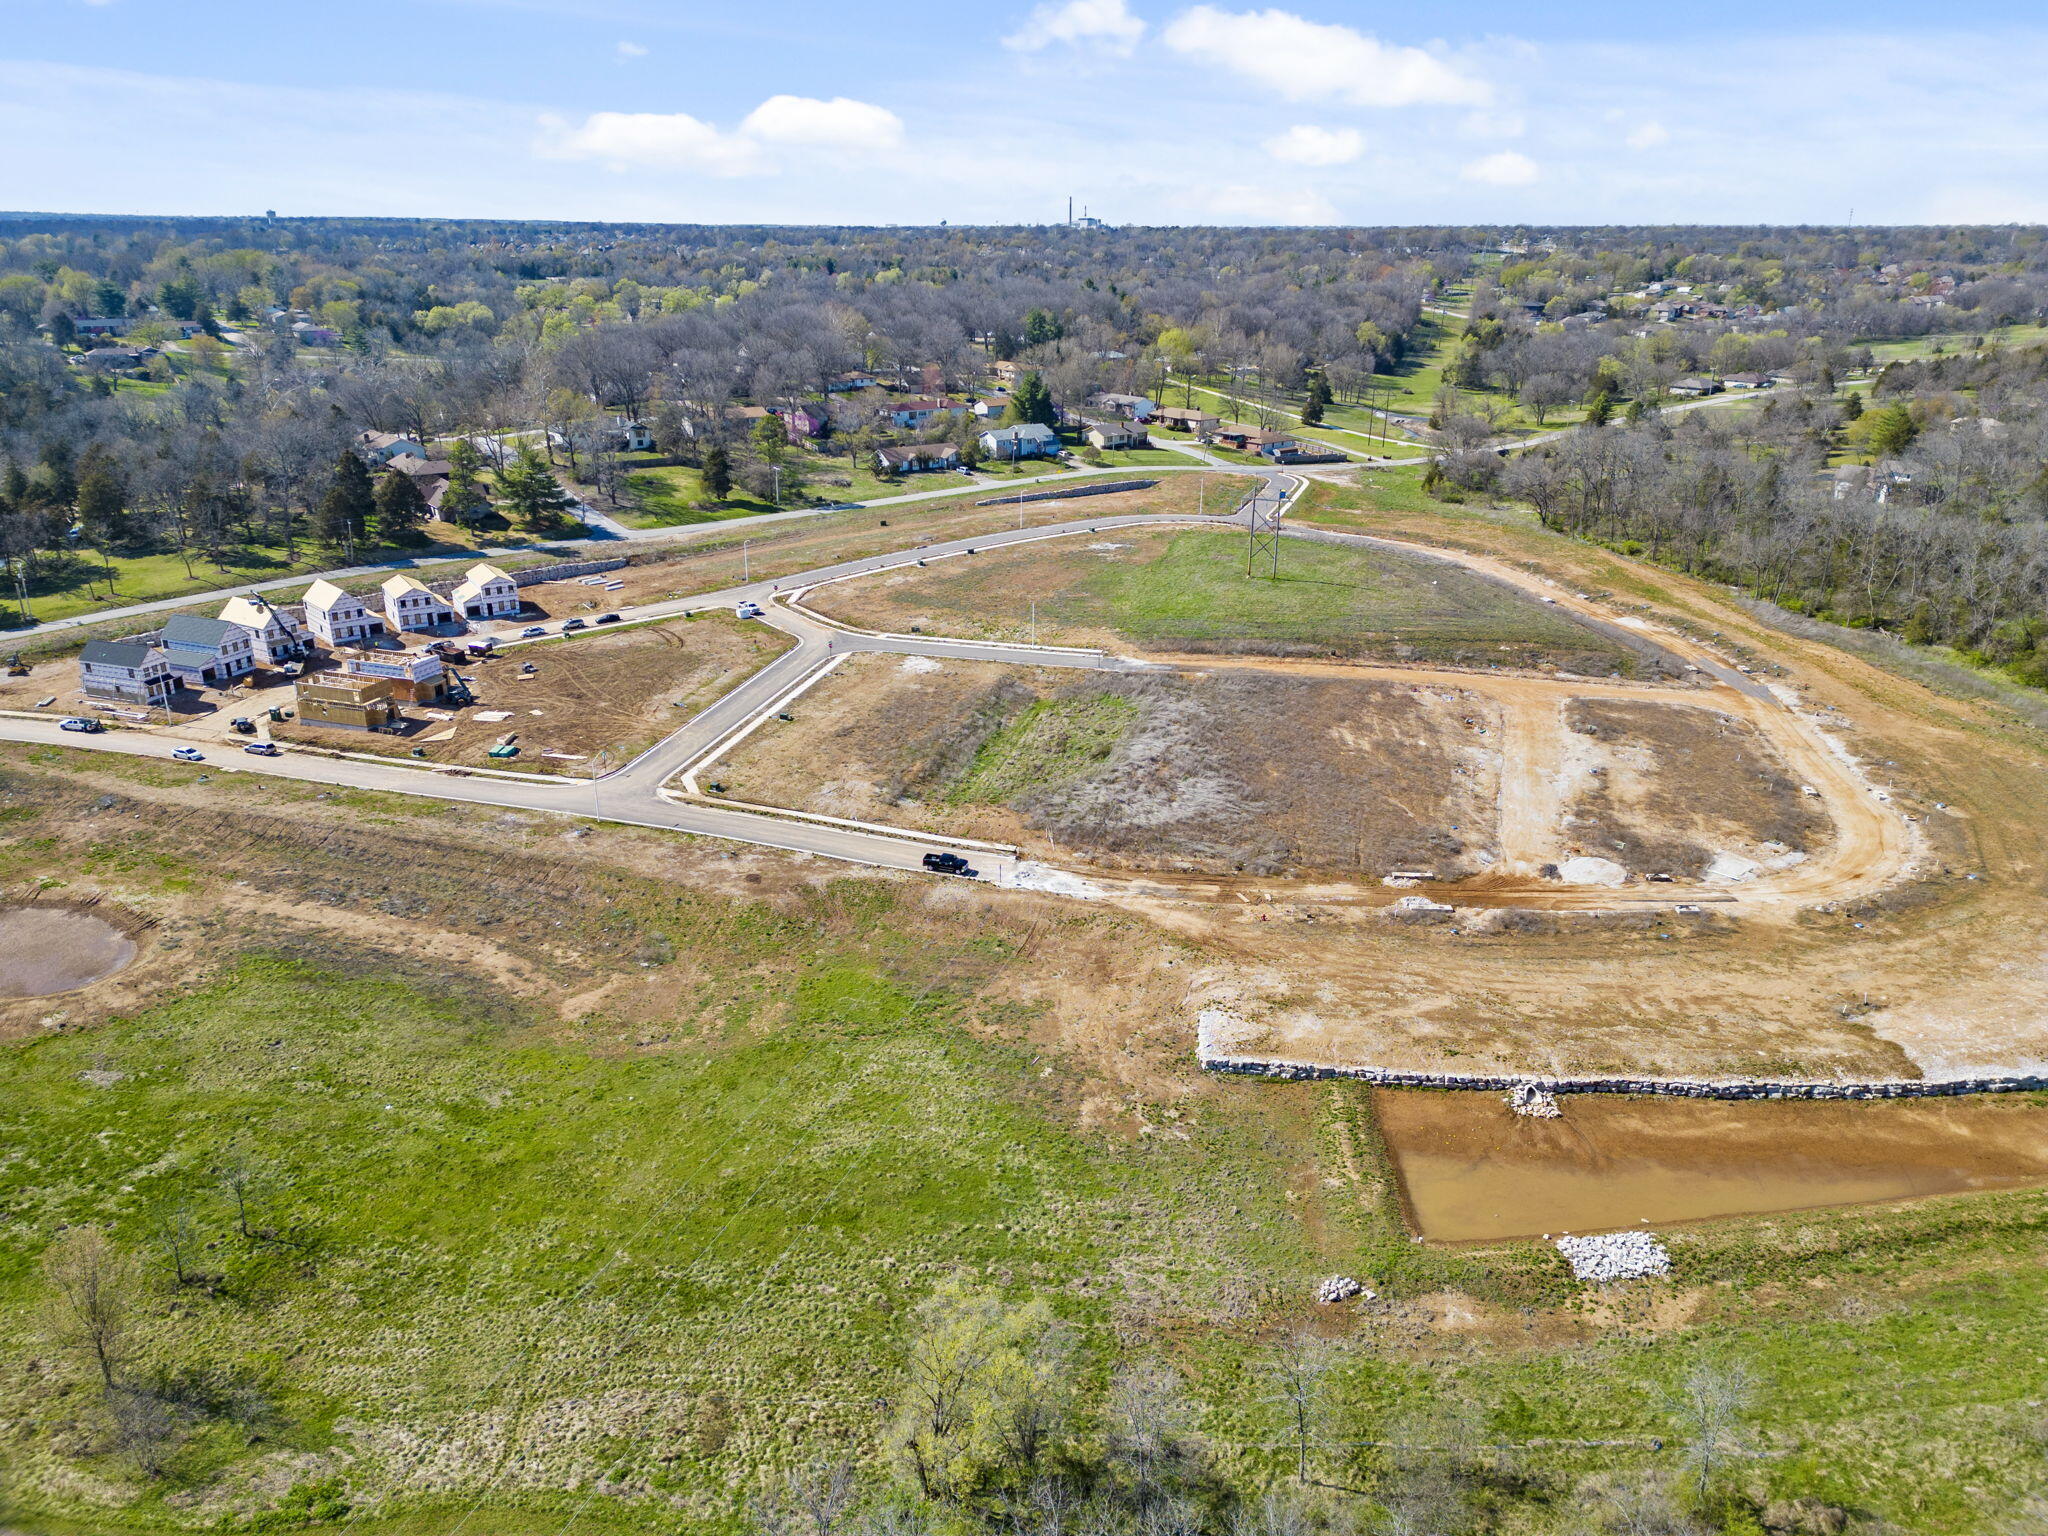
(1204, 771)
(1472, 1171)
(1668, 787)
(48, 949)
(610, 694)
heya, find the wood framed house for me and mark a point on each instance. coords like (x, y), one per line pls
(410, 604)
(207, 653)
(485, 592)
(276, 636)
(338, 617)
(125, 672)
(419, 677)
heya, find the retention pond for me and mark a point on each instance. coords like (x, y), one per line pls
(49, 949)
(1472, 1171)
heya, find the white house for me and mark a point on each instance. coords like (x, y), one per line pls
(338, 617)
(125, 672)
(410, 603)
(383, 447)
(276, 638)
(204, 653)
(485, 592)
(1130, 407)
(1028, 440)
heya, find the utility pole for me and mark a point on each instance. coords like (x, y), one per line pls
(1034, 621)
(746, 563)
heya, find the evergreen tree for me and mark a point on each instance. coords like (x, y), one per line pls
(1041, 326)
(59, 488)
(717, 474)
(203, 313)
(351, 501)
(532, 496)
(465, 501)
(13, 488)
(62, 332)
(401, 509)
(102, 503)
(1852, 406)
(1031, 401)
(1600, 410)
(1317, 403)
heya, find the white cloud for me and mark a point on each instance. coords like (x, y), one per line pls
(1306, 60)
(1494, 125)
(677, 141)
(1648, 135)
(632, 50)
(1305, 144)
(665, 140)
(1506, 169)
(840, 123)
(1271, 205)
(1107, 23)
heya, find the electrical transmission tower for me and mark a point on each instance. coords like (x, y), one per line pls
(1262, 540)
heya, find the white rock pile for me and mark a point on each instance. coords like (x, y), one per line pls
(1536, 1103)
(1615, 1256)
(1340, 1288)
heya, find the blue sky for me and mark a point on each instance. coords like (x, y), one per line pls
(1148, 111)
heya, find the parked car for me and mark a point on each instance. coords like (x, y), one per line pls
(188, 754)
(533, 631)
(747, 611)
(292, 668)
(262, 749)
(573, 625)
(79, 723)
(609, 618)
(242, 725)
(947, 864)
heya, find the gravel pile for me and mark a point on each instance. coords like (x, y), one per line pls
(1615, 1256)
(1536, 1103)
(1340, 1288)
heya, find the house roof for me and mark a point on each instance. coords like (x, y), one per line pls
(191, 631)
(1026, 431)
(325, 594)
(482, 572)
(375, 439)
(116, 653)
(918, 451)
(400, 584)
(928, 405)
(251, 612)
(412, 464)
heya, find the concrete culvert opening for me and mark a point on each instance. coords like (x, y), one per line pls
(50, 948)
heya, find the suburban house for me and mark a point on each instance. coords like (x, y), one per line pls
(485, 592)
(801, 421)
(416, 676)
(353, 703)
(1005, 372)
(316, 335)
(1695, 385)
(1130, 407)
(1784, 377)
(1027, 440)
(849, 381)
(630, 436)
(205, 653)
(1180, 419)
(917, 457)
(125, 672)
(410, 603)
(383, 447)
(99, 325)
(1117, 434)
(338, 617)
(430, 475)
(273, 634)
(115, 359)
(911, 415)
(1748, 381)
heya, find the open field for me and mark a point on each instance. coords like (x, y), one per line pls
(596, 700)
(1188, 591)
(733, 1118)
(1226, 772)
(1955, 341)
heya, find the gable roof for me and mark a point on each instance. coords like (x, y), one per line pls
(325, 594)
(192, 631)
(252, 611)
(116, 653)
(1023, 432)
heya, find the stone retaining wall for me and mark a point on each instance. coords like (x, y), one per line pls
(1068, 493)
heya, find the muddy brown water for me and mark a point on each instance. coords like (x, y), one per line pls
(1471, 1171)
(46, 950)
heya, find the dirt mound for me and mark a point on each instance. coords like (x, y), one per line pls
(49, 949)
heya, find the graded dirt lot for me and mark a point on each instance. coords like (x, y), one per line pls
(614, 694)
(1677, 787)
(45, 950)
(1223, 771)
(1187, 590)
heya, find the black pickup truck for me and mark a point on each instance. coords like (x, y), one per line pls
(947, 864)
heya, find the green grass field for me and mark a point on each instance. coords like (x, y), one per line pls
(1955, 341)
(512, 1272)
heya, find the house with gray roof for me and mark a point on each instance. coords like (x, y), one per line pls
(125, 672)
(206, 653)
(1027, 440)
